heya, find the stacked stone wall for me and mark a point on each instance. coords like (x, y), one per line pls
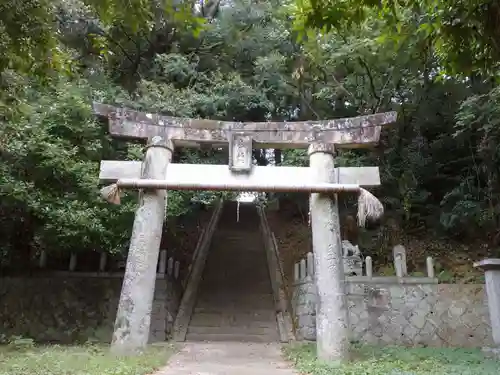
(388, 312)
(65, 309)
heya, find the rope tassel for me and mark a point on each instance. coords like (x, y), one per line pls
(369, 207)
(111, 193)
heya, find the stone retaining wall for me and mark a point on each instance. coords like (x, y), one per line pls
(69, 308)
(407, 312)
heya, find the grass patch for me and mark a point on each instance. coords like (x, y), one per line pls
(393, 360)
(80, 360)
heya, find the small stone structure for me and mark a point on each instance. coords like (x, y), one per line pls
(166, 266)
(399, 256)
(351, 258)
(402, 310)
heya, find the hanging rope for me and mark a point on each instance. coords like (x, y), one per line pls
(369, 207)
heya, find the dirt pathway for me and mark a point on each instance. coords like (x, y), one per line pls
(228, 358)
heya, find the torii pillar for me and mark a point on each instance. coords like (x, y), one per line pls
(332, 325)
(133, 318)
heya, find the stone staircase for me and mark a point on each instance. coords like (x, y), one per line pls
(235, 300)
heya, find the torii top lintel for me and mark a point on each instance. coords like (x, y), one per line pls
(362, 131)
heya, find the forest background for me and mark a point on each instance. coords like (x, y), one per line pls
(436, 63)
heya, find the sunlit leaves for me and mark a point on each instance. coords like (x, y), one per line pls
(28, 40)
(463, 33)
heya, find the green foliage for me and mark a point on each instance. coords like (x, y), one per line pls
(28, 39)
(82, 360)
(463, 33)
(50, 154)
(392, 360)
(142, 14)
(238, 63)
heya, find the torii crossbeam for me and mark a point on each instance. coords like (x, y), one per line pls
(353, 132)
(157, 175)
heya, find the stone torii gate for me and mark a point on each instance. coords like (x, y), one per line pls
(156, 174)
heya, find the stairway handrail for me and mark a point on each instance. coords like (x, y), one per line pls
(272, 243)
(206, 233)
(194, 276)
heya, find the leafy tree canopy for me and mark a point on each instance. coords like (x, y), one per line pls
(465, 34)
(30, 30)
(241, 62)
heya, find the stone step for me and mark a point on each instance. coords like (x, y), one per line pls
(243, 276)
(222, 300)
(231, 218)
(234, 293)
(232, 337)
(205, 294)
(225, 320)
(246, 224)
(231, 236)
(237, 294)
(252, 240)
(234, 284)
(244, 212)
(259, 271)
(229, 222)
(242, 249)
(239, 281)
(245, 296)
(249, 259)
(234, 256)
(239, 320)
(235, 262)
(221, 306)
(236, 330)
(235, 268)
(236, 232)
(208, 291)
(256, 314)
(236, 235)
(241, 292)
